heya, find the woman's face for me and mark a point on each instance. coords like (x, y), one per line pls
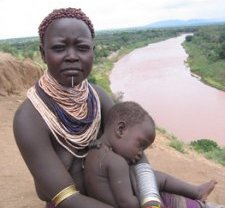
(68, 51)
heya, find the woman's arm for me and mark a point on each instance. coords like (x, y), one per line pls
(33, 139)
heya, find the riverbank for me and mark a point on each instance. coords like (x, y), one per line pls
(157, 77)
(125, 43)
(206, 55)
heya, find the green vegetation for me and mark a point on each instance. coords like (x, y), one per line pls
(210, 150)
(109, 47)
(206, 49)
(204, 145)
(177, 145)
(21, 47)
(174, 142)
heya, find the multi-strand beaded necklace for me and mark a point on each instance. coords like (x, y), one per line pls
(73, 113)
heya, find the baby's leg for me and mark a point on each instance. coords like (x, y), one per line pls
(168, 183)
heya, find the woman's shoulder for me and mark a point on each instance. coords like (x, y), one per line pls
(101, 92)
(25, 111)
(105, 99)
(27, 118)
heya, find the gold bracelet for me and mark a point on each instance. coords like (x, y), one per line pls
(65, 193)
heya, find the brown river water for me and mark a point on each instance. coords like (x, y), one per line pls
(157, 77)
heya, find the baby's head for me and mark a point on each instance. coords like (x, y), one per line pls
(133, 129)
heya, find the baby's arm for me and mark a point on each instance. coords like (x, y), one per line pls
(119, 179)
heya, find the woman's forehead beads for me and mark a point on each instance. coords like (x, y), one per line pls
(64, 13)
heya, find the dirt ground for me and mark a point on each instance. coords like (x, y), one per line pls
(16, 185)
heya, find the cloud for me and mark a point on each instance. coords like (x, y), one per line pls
(22, 18)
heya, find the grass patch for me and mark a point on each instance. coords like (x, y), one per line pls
(177, 144)
(174, 142)
(206, 147)
(162, 131)
(217, 156)
(210, 149)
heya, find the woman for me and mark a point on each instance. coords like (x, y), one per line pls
(63, 112)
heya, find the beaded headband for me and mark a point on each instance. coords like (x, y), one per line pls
(64, 13)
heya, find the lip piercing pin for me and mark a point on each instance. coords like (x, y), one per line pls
(72, 82)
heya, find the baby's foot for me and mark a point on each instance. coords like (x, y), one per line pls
(205, 189)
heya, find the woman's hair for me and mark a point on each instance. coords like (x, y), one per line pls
(64, 13)
(130, 112)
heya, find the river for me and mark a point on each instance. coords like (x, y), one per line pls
(157, 77)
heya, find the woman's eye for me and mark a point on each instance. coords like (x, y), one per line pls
(58, 48)
(84, 47)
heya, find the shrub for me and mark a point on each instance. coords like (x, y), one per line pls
(92, 79)
(188, 38)
(221, 51)
(217, 155)
(177, 144)
(204, 145)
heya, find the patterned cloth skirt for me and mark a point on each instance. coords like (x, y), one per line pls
(176, 201)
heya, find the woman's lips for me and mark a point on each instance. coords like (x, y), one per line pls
(71, 71)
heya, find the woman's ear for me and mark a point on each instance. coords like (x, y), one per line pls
(42, 53)
(120, 128)
(93, 44)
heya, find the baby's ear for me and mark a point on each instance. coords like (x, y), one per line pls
(120, 128)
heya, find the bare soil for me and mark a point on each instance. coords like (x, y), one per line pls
(16, 184)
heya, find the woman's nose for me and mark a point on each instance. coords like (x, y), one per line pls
(71, 55)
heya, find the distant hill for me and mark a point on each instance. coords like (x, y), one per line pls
(19, 40)
(181, 23)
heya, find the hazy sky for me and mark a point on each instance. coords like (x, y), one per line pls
(21, 18)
